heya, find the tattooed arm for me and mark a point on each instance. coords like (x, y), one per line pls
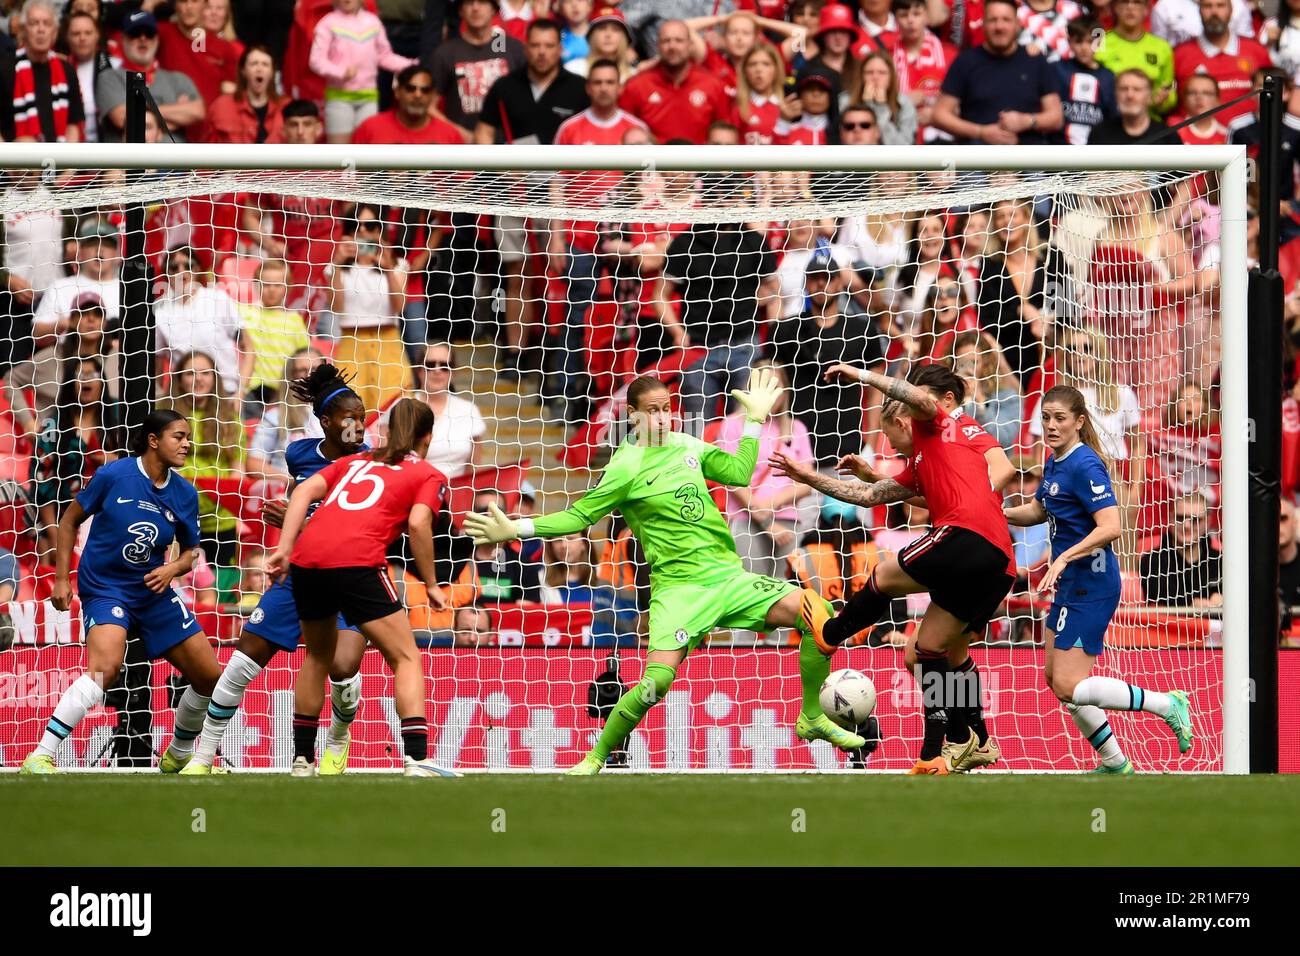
(920, 403)
(867, 495)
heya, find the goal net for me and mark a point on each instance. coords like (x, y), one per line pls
(521, 301)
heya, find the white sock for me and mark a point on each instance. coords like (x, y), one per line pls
(84, 695)
(232, 683)
(189, 721)
(1109, 693)
(1094, 726)
(345, 698)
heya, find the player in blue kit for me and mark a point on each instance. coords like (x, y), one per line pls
(1078, 502)
(124, 580)
(274, 626)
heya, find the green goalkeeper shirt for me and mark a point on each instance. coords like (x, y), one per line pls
(662, 494)
(1150, 54)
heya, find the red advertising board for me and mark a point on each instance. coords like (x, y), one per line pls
(525, 707)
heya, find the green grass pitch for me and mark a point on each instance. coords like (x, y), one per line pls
(251, 820)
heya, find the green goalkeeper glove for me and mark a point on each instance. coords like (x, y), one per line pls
(762, 394)
(493, 527)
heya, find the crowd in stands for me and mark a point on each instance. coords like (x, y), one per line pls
(255, 288)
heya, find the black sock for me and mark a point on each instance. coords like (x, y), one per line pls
(415, 737)
(974, 702)
(959, 728)
(304, 736)
(860, 612)
(934, 697)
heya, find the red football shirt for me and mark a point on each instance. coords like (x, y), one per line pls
(758, 128)
(207, 63)
(1234, 67)
(515, 22)
(307, 225)
(965, 26)
(676, 111)
(875, 36)
(1217, 135)
(948, 467)
(587, 129)
(385, 127)
(368, 506)
(807, 131)
(716, 62)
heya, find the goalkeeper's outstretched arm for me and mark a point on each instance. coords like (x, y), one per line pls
(496, 527)
(717, 465)
(758, 400)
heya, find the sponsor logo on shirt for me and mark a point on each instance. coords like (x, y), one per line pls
(1097, 489)
(150, 506)
(124, 501)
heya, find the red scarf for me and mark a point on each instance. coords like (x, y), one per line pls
(27, 121)
(931, 55)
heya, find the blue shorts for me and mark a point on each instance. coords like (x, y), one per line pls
(162, 620)
(1082, 624)
(275, 619)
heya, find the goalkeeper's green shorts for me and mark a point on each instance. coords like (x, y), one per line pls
(682, 614)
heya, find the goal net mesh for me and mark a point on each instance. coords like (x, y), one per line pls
(521, 304)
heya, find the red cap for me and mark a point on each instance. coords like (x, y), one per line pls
(607, 14)
(836, 16)
(815, 79)
(87, 300)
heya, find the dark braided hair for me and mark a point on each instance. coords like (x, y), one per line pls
(322, 387)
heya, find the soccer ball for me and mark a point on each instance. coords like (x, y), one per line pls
(848, 697)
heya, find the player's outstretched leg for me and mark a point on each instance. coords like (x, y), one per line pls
(627, 713)
(84, 695)
(865, 608)
(814, 668)
(1109, 693)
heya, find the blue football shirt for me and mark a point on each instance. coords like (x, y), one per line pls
(1074, 488)
(303, 458)
(135, 524)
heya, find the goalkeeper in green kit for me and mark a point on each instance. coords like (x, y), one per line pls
(656, 479)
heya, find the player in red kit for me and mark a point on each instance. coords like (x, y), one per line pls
(676, 98)
(339, 566)
(966, 562)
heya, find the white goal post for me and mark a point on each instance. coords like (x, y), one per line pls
(477, 179)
